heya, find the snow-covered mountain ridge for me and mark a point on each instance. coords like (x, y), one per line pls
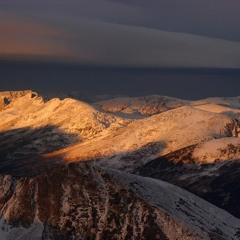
(71, 130)
(154, 104)
(65, 166)
(31, 122)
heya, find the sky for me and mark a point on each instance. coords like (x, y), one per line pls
(121, 33)
(215, 18)
(144, 33)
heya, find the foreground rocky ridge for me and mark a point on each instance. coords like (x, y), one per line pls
(81, 201)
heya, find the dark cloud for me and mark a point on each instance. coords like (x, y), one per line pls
(215, 18)
(114, 32)
(104, 43)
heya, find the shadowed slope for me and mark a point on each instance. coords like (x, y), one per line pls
(19, 148)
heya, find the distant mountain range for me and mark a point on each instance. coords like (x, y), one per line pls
(151, 167)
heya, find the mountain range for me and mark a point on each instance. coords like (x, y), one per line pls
(151, 167)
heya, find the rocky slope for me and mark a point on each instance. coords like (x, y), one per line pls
(85, 202)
